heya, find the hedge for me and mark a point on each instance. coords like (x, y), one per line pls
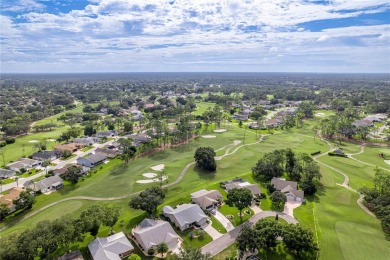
(336, 154)
(315, 153)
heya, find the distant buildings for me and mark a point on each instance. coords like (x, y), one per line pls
(91, 160)
(23, 163)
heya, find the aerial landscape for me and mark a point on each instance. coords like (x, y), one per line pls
(194, 130)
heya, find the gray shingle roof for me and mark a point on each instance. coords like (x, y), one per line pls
(185, 213)
(97, 157)
(151, 232)
(47, 182)
(4, 173)
(109, 248)
(280, 184)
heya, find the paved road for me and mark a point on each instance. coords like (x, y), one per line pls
(229, 238)
(60, 164)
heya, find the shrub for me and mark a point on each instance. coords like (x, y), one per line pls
(2, 144)
(23, 170)
(151, 251)
(336, 154)
(315, 153)
(10, 140)
(270, 188)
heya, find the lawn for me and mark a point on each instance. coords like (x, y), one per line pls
(195, 242)
(201, 107)
(236, 221)
(217, 225)
(332, 204)
(371, 155)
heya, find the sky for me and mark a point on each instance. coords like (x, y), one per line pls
(50, 36)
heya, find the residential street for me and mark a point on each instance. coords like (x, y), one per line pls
(59, 164)
(229, 238)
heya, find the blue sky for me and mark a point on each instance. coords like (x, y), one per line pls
(195, 35)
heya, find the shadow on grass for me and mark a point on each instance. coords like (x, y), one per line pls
(120, 169)
(203, 174)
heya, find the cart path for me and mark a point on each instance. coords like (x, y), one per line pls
(181, 176)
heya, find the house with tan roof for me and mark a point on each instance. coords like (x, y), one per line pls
(253, 188)
(206, 199)
(289, 188)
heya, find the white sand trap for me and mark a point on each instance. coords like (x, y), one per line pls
(208, 136)
(51, 140)
(33, 141)
(387, 161)
(320, 114)
(164, 178)
(235, 142)
(149, 175)
(158, 167)
(219, 130)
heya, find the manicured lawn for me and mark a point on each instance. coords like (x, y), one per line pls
(236, 221)
(279, 220)
(87, 148)
(6, 181)
(332, 203)
(202, 107)
(371, 155)
(217, 225)
(195, 242)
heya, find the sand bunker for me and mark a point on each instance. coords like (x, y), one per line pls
(164, 178)
(219, 130)
(149, 175)
(320, 114)
(158, 167)
(208, 136)
(387, 161)
(235, 142)
(51, 140)
(33, 141)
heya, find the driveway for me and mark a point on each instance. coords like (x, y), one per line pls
(229, 238)
(211, 231)
(290, 206)
(224, 221)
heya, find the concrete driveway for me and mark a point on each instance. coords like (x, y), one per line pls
(290, 206)
(224, 221)
(211, 231)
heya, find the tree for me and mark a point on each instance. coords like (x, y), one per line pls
(299, 239)
(278, 199)
(91, 219)
(111, 217)
(240, 198)
(128, 127)
(204, 157)
(308, 187)
(290, 162)
(89, 130)
(128, 150)
(72, 174)
(65, 154)
(25, 200)
(268, 230)
(134, 257)
(148, 200)
(192, 254)
(162, 248)
(4, 211)
(248, 239)
(271, 165)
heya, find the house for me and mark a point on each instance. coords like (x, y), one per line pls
(206, 199)
(137, 115)
(109, 153)
(109, 133)
(71, 147)
(64, 169)
(363, 123)
(45, 185)
(289, 188)
(92, 160)
(5, 174)
(46, 155)
(140, 138)
(114, 247)
(86, 140)
(185, 216)
(149, 233)
(253, 188)
(23, 163)
(75, 255)
(8, 198)
(241, 116)
(113, 146)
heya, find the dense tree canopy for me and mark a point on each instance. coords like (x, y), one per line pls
(148, 200)
(204, 157)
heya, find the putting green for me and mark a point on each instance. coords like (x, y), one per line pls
(369, 237)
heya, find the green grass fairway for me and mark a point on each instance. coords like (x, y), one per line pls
(370, 155)
(369, 237)
(202, 107)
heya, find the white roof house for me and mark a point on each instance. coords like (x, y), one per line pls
(114, 247)
(206, 199)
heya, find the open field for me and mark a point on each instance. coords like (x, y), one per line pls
(335, 209)
(202, 107)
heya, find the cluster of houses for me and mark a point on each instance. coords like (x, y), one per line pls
(369, 121)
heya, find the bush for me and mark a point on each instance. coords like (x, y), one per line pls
(2, 144)
(315, 153)
(336, 154)
(270, 188)
(151, 251)
(23, 170)
(10, 140)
